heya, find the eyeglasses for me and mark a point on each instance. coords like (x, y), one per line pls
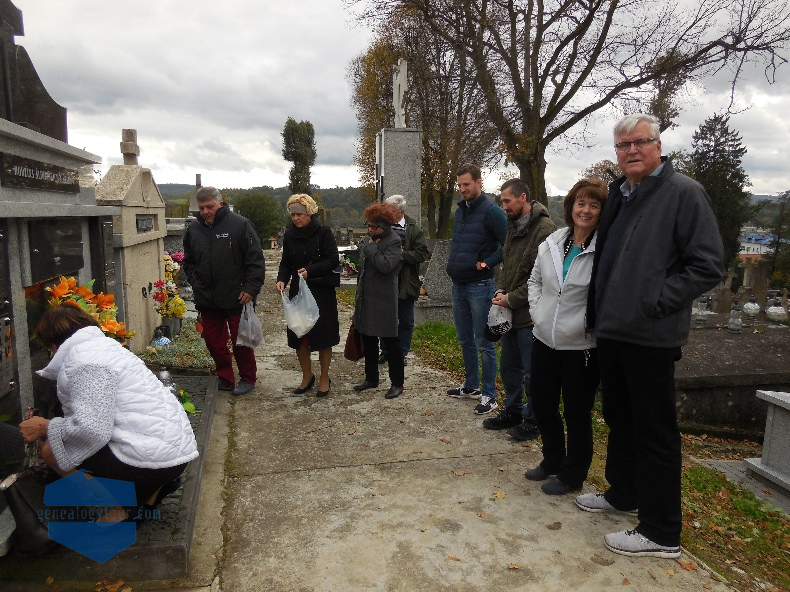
(638, 144)
(373, 226)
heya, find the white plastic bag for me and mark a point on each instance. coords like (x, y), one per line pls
(250, 329)
(301, 312)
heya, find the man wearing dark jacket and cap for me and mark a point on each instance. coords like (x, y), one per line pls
(223, 262)
(658, 249)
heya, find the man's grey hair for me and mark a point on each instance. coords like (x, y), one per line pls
(398, 201)
(627, 124)
(208, 194)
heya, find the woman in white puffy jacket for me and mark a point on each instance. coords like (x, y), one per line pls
(564, 360)
(120, 422)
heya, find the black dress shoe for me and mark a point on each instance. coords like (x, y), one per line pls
(394, 392)
(301, 391)
(320, 393)
(366, 384)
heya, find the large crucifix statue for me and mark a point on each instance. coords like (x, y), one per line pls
(399, 85)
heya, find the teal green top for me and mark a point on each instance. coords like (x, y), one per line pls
(566, 265)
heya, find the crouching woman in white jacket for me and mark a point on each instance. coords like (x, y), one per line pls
(120, 422)
(564, 360)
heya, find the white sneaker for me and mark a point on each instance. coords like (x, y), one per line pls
(486, 405)
(596, 502)
(633, 544)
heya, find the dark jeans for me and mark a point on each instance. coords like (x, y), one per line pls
(394, 358)
(572, 375)
(515, 369)
(218, 325)
(405, 325)
(643, 462)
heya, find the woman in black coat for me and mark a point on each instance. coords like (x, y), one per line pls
(310, 251)
(376, 305)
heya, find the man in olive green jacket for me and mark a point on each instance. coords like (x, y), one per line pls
(415, 251)
(528, 225)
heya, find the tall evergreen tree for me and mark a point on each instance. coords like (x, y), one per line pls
(716, 156)
(299, 148)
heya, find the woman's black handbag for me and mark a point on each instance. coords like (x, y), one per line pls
(354, 349)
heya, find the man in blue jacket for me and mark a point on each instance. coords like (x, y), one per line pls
(479, 231)
(658, 249)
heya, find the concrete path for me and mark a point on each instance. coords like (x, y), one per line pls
(354, 492)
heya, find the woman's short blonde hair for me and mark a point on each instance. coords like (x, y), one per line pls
(305, 200)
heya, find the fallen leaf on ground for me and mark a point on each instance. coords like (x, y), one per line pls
(670, 572)
(500, 468)
(481, 514)
(626, 582)
(446, 440)
(500, 494)
(687, 565)
(513, 566)
(652, 575)
(351, 432)
(768, 492)
(581, 567)
(427, 413)
(461, 473)
(453, 558)
(554, 526)
(49, 580)
(416, 451)
(604, 561)
(717, 528)
(708, 587)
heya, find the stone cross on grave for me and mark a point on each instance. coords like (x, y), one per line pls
(399, 85)
(129, 147)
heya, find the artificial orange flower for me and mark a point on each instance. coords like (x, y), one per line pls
(72, 282)
(60, 290)
(104, 301)
(85, 293)
(121, 332)
(110, 326)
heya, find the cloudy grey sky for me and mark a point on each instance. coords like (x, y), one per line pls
(209, 85)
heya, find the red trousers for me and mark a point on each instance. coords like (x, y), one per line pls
(218, 325)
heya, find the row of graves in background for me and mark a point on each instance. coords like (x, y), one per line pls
(62, 235)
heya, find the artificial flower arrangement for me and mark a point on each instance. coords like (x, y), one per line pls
(165, 294)
(100, 306)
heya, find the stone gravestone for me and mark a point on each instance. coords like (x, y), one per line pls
(436, 304)
(24, 100)
(138, 237)
(760, 283)
(722, 294)
(774, 465)
(50, 224)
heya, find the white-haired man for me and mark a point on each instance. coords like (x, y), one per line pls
(658, 249)
(223, 262)
(415, 251)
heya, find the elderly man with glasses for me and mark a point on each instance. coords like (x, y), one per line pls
(658, 249)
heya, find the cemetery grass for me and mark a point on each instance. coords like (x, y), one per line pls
(724, 525)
